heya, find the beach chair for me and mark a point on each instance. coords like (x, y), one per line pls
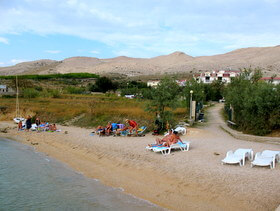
(166, 150)
(239, 156)
(181, 130)
(272, 153)
(142, 130)
(266, 158)
(261, 160)
(182, 146)
(163, 150)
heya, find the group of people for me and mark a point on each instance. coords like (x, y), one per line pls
(172, 138)
(38, 125)
(117, 128)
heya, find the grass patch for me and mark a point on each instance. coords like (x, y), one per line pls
(97, 109)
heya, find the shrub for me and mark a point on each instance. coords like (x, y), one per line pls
(103, 84)
(255, 104)
(55, 93)
(75, 90)
(164, 99)
(30, 93)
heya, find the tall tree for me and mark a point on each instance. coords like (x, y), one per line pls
(164, 99)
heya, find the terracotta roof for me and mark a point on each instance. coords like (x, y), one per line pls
(269, 78)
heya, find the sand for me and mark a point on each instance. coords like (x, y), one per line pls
(180, 181)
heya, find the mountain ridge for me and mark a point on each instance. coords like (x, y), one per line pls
(266, 58)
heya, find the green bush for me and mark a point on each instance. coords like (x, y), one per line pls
(75, 90)
(103, 84)
(30, 93)
(55, 93)
(164, 100)
(53, 76)
(256, 104)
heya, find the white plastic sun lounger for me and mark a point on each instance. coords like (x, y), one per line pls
(239, 156)
(182, 146)
(181, 130)
(266, 158)
(166, 150)
(163, 150)
(261, 160)
(272, 153)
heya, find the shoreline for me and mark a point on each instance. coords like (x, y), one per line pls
(180, 181)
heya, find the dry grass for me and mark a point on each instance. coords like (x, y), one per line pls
(98, 109)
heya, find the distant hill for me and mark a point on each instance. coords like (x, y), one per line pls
(267, 58)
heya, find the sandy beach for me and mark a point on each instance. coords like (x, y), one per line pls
(179, 181)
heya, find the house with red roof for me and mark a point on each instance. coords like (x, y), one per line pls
(224, 76)
(273, 80)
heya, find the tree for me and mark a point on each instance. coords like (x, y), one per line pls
(103, 84)
(164, 99)
(256, 104)
(198, 92)
(30, 93)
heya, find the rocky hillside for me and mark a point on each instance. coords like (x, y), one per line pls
(267, 58)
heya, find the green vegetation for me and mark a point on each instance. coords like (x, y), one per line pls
(52, 76)
(164, 100)
(255, 104)
(30, 93)
(103, 84)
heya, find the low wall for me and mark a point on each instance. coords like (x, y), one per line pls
(246, 137)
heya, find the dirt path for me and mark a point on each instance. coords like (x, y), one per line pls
(215, 121)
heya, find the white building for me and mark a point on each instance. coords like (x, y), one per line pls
(221, 75)
(153, 83)
(275, 80)
(3, 89)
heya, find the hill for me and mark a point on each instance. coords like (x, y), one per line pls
(267, 58)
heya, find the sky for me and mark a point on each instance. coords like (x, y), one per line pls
(58, 29)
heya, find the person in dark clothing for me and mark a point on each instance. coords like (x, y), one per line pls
(158, 123)
(28, 123)
(37, 122)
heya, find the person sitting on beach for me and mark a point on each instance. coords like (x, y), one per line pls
(168, 140)
(114, 126)
(52, 127)
(28, 123)
(132, 125)
(175, 138)
(100, 130)
(165, 139)
(120, 127)
(37, 121)
(108, 129)
(20, 125)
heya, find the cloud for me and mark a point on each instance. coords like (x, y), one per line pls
(4, 40)
(53, 51)
(94, 52)
(16, 61)
(149, 27)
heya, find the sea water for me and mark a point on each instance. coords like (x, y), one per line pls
(33, 181)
